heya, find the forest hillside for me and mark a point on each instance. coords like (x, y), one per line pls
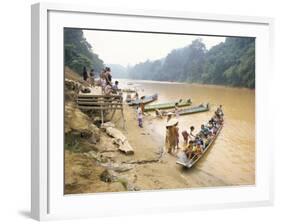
(230, 63)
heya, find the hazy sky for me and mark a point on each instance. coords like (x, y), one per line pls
(130, 48)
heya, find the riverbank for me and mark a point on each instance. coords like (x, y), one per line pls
(84, 168)
(101, 167)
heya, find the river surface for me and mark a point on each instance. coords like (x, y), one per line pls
(231, 159)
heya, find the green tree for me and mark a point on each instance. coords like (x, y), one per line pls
(230, 63)
(78, 52)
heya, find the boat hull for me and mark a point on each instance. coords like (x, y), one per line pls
(191, 110)
(184, 161)
(168, 105)
(146, 100)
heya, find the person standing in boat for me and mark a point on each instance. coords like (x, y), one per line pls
(219, 112)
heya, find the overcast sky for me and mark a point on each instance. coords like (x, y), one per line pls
(131, 48)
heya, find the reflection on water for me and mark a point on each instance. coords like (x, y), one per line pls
(232, 157)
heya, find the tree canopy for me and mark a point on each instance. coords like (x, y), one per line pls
(229, 63)
(78, 52)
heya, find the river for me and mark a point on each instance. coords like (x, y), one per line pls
(231, 159)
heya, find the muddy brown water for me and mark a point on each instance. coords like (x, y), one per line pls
(231, 159)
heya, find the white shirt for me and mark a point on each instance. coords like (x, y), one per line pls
(139, 111)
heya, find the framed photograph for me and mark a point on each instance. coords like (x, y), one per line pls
(148, 111)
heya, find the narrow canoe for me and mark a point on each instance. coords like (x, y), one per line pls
(190, 110)
(144, 100)
(168, 105)
(184, 161)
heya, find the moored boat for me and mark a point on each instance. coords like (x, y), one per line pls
(168, 105)
(183, 159)
(190, 110)
(144, 100)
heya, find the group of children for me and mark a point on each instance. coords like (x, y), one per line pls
(195, 145)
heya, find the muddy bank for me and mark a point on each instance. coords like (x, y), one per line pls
(102, 167)
(97, 159)
(94, 162)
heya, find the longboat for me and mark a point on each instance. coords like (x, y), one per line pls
(184, 161)
(190, 110)
(144, 100)
(168, 105)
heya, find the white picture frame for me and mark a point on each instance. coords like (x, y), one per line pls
(48, 201)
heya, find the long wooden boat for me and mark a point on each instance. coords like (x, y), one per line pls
(190, 110)
(168, 105)
(144, 100)
(183, 159)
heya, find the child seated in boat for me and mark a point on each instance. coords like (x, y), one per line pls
(218, 119)
(204, 130)
(197, 150)
(208, 140)
(199, 140)
(188, 149)
(214, 130)
(210, 124)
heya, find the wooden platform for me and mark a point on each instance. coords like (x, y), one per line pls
(97, 101)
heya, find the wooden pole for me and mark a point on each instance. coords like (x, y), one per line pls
(101, 111)
(123, 118)
(113, 114)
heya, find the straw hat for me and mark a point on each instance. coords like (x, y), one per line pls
(172, 122)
